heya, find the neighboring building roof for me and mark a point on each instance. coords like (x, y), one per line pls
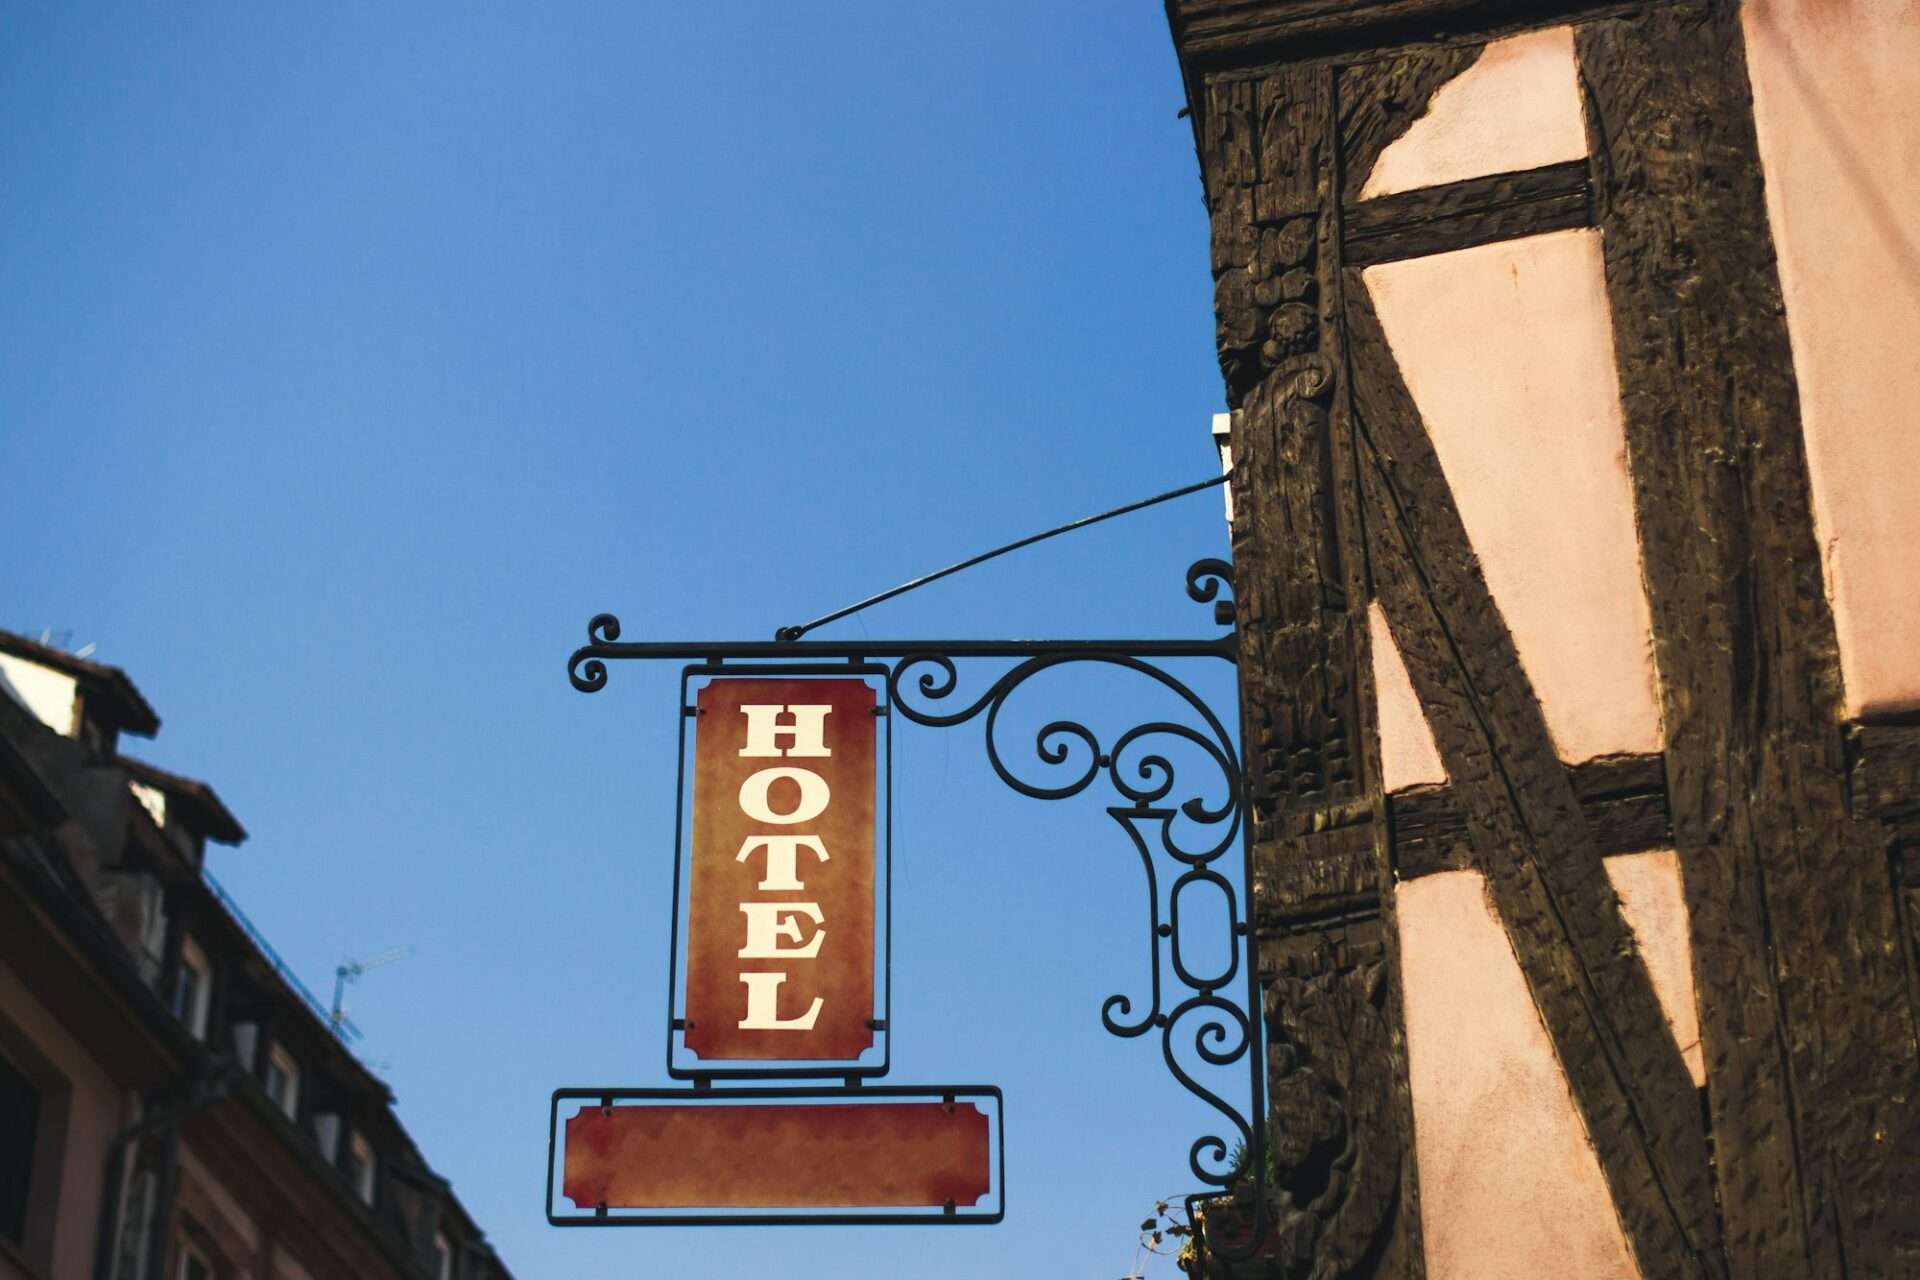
(22, 777)
(274, 971)
(111, 695)
(47, 781)
(202, 806)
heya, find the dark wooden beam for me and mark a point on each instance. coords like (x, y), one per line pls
(1807, 1029)
(1884, 771)
(1332, 873)
(1624, 799)
(1530, 837)
(1221, 35)
(1461, 215)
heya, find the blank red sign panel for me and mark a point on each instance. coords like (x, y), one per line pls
(815, 1155)
(780, 906)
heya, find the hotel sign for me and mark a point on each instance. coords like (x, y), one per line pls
(797, 1156)
(781, 905)
(778, 973)
(779, 1009)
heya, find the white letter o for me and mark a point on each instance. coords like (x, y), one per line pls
(813, 796)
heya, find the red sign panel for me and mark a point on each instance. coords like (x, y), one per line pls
(815, 1155)
(780, 905)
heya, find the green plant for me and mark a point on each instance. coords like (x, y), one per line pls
(1158, 1237)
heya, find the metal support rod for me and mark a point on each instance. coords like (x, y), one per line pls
(589, 674)
(794, 633)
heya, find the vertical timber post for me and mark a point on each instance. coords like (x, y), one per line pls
(1339, 1110)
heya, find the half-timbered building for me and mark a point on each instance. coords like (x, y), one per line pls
(1571, 354)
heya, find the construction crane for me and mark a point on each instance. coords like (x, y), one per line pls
(350, 971)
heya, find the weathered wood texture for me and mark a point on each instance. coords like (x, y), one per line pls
(1459, 215)
(1807, 1030)
(1332, 1021)
(1530, 837)
(1274, 148)
(1267, 173)
(1378, 102)
(1905, 863)
(1332, 873)
(1800, 846)
(1349, 1204)
(1884, 790)
(1214, 35)
(1624, 799)
(1369, 113)
(1884, 771)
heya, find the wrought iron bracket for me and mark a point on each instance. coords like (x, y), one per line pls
(1165, 821)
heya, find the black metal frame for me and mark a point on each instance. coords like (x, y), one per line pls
(1223, 1033)
(882, 1018)
(952, 1215)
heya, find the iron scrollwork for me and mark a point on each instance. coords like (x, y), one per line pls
(1145, 780)
(1194, 827)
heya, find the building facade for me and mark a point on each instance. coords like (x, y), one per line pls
(1572, 356)
(174, 1105)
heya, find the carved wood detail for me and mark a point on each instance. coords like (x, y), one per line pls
(1339, 1146)
(1267, 185)
(1348, 1200)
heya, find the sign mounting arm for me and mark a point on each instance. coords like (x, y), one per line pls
(1160, 818)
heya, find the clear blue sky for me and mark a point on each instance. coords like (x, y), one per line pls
(353, 355)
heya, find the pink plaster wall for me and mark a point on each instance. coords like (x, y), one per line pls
(1408, 756)
(1508, 351)
(92, 1117)
(1509, 1186)
(1836, 88)
(1655, 905)
(1516, 107)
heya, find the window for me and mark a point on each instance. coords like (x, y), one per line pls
(326, 1132)
(360, 1167)
(193, 989)
(283, 1081)
(153, 928)
(246, 1035)
(442, 1258)
(193, 1265)
(136, 1226)
(19, 1124)
(152, 799)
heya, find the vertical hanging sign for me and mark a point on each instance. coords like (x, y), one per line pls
(781, 895)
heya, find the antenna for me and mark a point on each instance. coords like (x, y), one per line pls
(350, 971)
(62, 639)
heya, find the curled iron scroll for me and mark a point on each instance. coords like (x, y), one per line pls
(587, 672)
(1192, 825)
